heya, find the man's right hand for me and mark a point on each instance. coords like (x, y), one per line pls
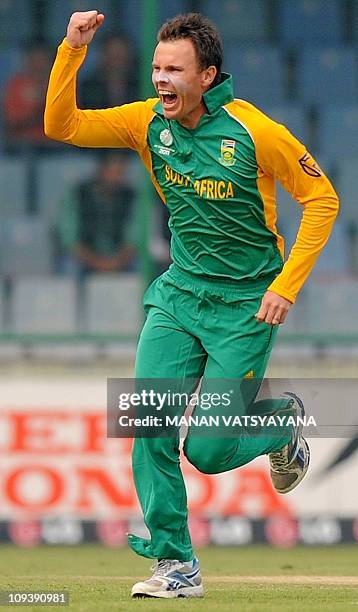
(82, 28)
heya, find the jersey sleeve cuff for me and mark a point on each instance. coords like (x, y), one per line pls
(73, 50)
(282, 291)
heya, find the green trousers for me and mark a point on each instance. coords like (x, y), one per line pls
(205, 330)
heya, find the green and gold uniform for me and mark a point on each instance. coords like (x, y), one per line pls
(218, 181)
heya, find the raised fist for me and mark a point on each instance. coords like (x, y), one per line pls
(82, 28)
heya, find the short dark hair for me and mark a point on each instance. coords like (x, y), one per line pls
(203, 34)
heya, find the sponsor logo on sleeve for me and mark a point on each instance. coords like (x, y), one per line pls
(309, 166)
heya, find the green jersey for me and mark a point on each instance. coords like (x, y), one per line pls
(209, 180)
(218, 180)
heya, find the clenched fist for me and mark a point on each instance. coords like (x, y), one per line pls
(273, 309)
(82, 28)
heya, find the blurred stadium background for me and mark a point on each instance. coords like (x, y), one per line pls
(65, 328)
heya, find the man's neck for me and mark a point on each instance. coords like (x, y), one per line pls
(193, 119)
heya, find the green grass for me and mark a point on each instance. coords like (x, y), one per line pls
(99, 579)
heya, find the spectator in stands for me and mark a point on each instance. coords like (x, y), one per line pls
(114, 82)
(24, 101)
(96, 223)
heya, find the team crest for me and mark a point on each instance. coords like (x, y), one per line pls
(166, 138)
(228, 152)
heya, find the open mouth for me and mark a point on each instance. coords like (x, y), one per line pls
(168, 98)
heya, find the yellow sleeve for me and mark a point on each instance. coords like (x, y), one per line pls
(283, 157)
(122, 126)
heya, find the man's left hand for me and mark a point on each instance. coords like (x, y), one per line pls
(273, 309)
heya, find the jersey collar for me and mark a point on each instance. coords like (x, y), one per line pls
(214, 98)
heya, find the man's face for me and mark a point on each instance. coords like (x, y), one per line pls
(180, 82)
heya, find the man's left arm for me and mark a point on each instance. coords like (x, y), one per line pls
(286, 159)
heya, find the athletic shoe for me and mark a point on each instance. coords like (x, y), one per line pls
(172, 578)
(290, 464)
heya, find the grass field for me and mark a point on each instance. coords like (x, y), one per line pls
(255, 579)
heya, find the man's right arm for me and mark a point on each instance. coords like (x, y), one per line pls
(122, 126)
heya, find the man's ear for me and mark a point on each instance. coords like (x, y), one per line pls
(208, 76)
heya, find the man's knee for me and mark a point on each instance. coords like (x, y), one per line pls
(201, 456)
(216, 456)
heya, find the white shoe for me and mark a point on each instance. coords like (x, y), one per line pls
(172, 578)
(290, 464)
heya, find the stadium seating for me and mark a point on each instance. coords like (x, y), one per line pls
(294, 118)
(16, 22)
(303, 22)
(320, 310)
(10, 62)
(170, 8)
(25, 246)
(334, 257)
(128, 17)
(112, 304)
(347, 184)
(43, 305)
(56, 175)
(57, 15)
(259, 75)
(332, 311)
(338, 132)
(2, 322)
(13, 185)
(243, 22)
(327, 76)
(296, 322)
(311, 53)
(354, 21)
(289, 213)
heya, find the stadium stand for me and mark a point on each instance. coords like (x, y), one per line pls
(294, 118)
(170, 8)
(295, 59)
(43, 304)
(2, 323)
(10, 61)
(334, 257)
(15, 31)
(347, 183)
(259, 74)
(112, 304)
(56, 174)
(242, 22)
(338, 132)
(317, 22)
(25, 246)
(354, 21)
(340, 305)
(57, 16)
(327, 75)
(13, 185)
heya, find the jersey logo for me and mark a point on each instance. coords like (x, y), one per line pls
(227, 157)
(166, 138)
(309, 166)
(250, 374)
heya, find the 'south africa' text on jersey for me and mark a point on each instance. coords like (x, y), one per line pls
(210, 189)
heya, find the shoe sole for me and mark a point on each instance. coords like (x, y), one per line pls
(197, 591)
